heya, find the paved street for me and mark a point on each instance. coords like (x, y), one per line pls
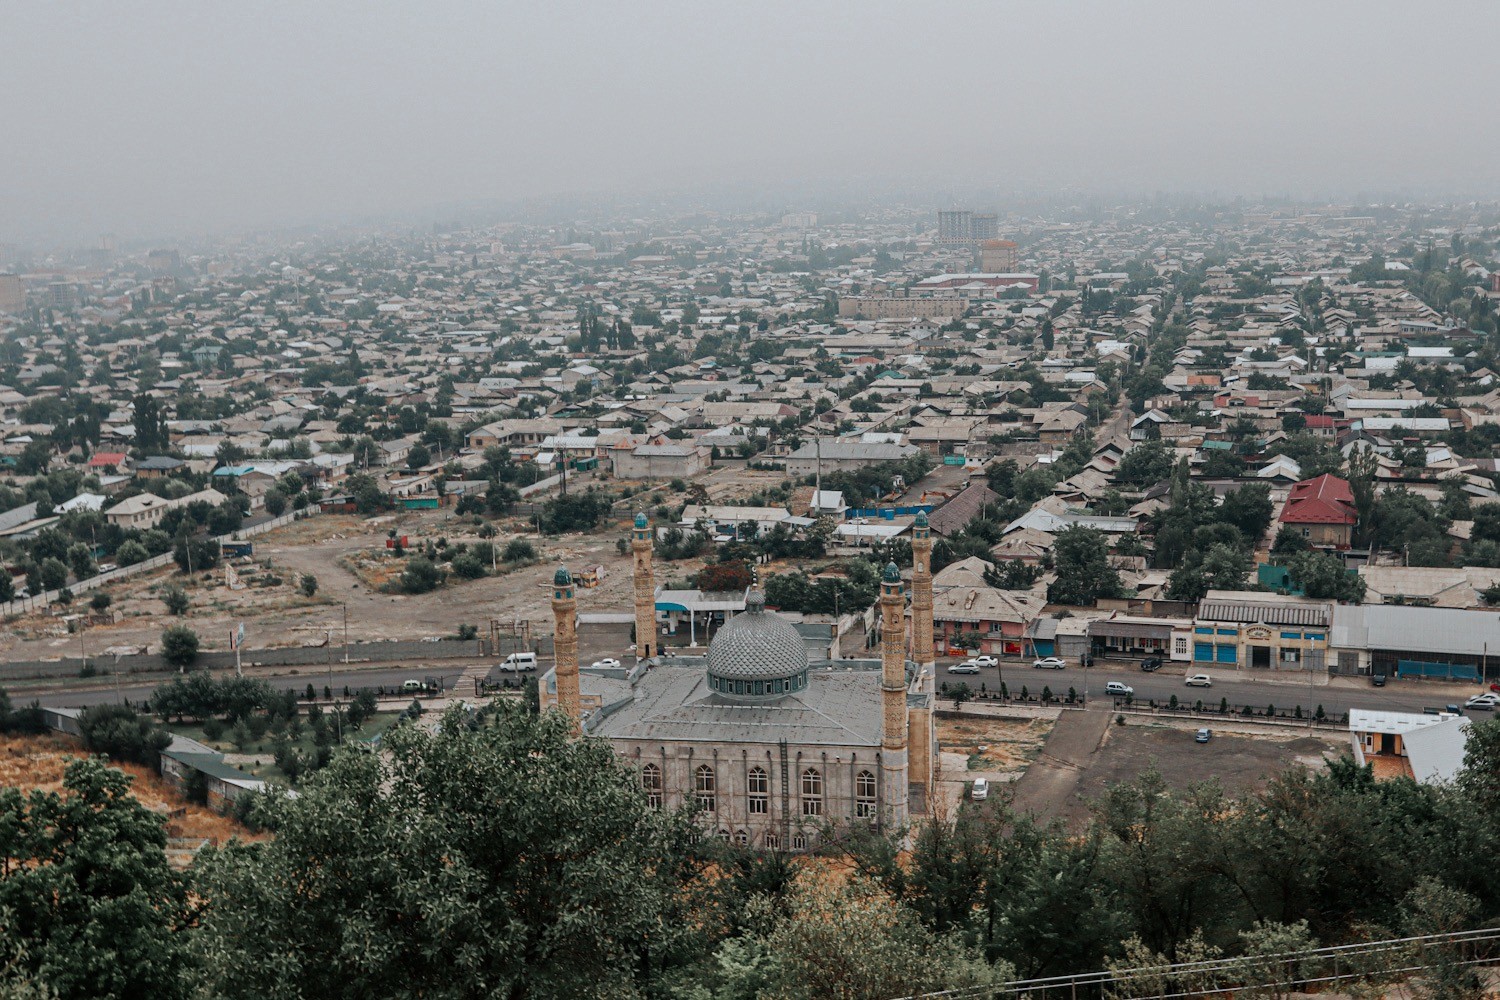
(1260, 688)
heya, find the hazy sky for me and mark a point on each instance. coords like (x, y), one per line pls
(155, 117)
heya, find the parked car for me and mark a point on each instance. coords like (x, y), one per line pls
(1204, 735)
(1377, 680)
(1200, 681)
(1486, 701)
(981, 789)
(1151, 663)
(1121, 690)
(608, 663)
(1049, 663)
(986, 660)
(966, 667)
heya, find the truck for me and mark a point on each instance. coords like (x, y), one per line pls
(236, 549)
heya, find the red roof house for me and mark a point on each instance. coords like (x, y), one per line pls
(1322, 509)
(105, 459)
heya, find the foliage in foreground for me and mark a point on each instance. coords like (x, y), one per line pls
(501, 857)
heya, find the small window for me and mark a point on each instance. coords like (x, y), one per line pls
(724, 836)
(773, 842)
(742, 838)
(799, 842)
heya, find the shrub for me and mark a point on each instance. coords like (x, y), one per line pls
(308, 585)
(100, 601)
(521, 550)
(175, 598)
(179, 646)
(421, 576)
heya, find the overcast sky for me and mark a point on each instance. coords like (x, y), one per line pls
(156, 117)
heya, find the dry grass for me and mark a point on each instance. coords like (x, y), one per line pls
(1007, 745)
(37, 763)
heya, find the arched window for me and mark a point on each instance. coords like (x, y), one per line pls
(724, 836)
(812, 792)
(799, 842)
(703, 787)
(760, 791)
(651, 782)
(864, 795)
(742, 839)
(773, 842)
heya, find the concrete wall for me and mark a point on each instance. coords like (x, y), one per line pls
(371, 652)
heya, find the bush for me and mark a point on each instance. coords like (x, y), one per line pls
(175, 598)
(213, 729)
(521, 550)
(101, 601)
(308, 585)
(131, 553)
(179, 646)
(119, 733)
(468, 567)
(421, 576)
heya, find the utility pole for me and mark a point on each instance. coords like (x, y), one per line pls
(346, 632)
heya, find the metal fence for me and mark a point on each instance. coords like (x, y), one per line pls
(1275, 975)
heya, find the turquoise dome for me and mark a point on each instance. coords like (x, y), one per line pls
(640, 519)
(562, 578)
(891, 574)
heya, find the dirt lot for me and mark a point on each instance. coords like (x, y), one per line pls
(994, 747)
(278, 615)
(1241, 763)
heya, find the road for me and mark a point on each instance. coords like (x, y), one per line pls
(1336, 695)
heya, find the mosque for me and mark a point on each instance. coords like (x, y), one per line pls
(773, 747)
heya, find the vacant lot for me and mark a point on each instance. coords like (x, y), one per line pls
(276, 614)
(1240, 763)
(993, 746)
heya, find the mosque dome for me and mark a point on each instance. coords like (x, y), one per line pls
(640, 519)
(892, 573)
(562, 578)
(921, 519)
(757, 654)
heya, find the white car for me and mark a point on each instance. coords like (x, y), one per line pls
(1488, 701)
(608, 663)
(1118, 689)
(1199, 681)
(981, 790)
(966, 667)
(1049, 663)
(986, 660)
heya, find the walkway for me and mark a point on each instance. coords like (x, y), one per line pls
(1052, 778)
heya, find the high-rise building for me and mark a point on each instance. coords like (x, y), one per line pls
(12, 293)
(997, 257)
(956, 227)
(984, 226)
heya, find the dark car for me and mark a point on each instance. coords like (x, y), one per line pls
(1150, 664)
(1377, 680)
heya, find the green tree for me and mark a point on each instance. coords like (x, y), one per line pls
(1083, 571)
(92, 907)
(1222, 567)
(308, 585)
(847, 940)
(175, 598)
(275, 501)
(119, 733)
(418, 457)
(1325, 577)
(558, 880)
(420, 576)
(179, 646)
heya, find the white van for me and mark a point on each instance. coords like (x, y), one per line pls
(516, 662)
